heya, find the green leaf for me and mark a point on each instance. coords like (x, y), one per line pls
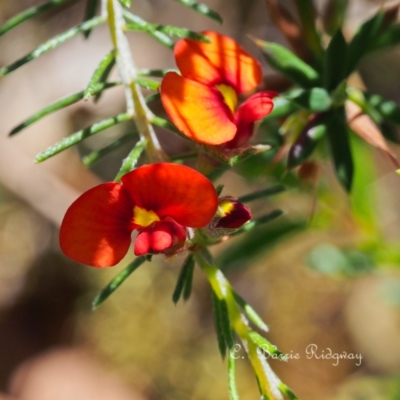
(258, 221)
(148, 84)
(157, 73)
(315, 99)
(28, 14)
(306, 142)
(266, 346)
(90, 12)
(288, 64)
(117, 281)
(334, 70)
(335, 14)
(77, 137)
(184, 279)
(388, 110)
(251, 313)
(201, 9)
(363, 41)
(52, 44)
(218, 325)
(232, 386)
(282, 107)
(262, 193)
(168, 30)
(130, 162)
(340, 147)
(257, 242)
(164, 123)
(99, 73)
(125, 3)
(187, 289)
(287, 392)
(58, 105)
(388, 38)
(307, 16)
(159, 36)
(96, 155)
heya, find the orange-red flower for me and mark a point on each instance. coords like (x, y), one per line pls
(159, 200)
(203, 101)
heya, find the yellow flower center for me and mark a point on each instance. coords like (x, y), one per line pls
(230, 96)
(144, 217)
(225, 208)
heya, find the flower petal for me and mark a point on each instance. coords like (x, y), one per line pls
(96, 229)
(254, 108)
(172, 190)
(197, 110)
(221, 61)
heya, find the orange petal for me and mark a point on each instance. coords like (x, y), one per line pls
(223, 61)
(96, 228)
(197, 110)
(172, 190)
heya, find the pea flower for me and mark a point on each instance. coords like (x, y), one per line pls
(203, 101)
(159, 201)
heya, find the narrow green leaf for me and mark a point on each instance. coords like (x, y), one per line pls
(117, 281)
(90, 12)
(218, 325)
(232, 386)
(251, 313)
(126, 3)
(340, 147)
(28, 14)
(315, 100)
(219, 188)
(226, 324)
(159, 36)
(77, 137)
(261, 194)
(363, 41)
(99, 73)
(388, 38)
(184, 275)
(168, 30)
(307, 16)
(148, 84)
(58, 105)
(334, 70)
(266, 346)
(388, 110)
(51, 44)
(307, 141)
(164, 123)
(130, 162)
(104, 77)
(282, 107)
(258, 221)
(201, 9)
(96, 155)
(187, 289)
(287, 392)
(288, 64)
(157, 73)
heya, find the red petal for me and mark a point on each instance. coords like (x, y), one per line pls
(142, 242)
(198, 111)
(172, 190)
(221, 61)
(96, 229)
(254, 108)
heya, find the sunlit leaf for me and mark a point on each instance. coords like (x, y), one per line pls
(52, 44)
(201, 9)
(77, 137)
(28, 14)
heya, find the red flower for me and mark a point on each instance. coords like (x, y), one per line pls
(202, 103)
(159, 200)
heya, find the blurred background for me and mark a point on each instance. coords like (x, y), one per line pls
(326, 273)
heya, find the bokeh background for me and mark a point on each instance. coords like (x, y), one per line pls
(326, 273)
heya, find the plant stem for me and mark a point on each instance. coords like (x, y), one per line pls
(136, 105)
(268, 381)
